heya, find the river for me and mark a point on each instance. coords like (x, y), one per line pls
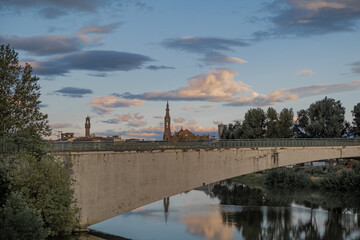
(229, 211)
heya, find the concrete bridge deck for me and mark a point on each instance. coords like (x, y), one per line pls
(113, 178)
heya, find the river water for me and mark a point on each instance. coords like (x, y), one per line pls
(228, 211)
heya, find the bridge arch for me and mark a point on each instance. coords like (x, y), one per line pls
(109, 183)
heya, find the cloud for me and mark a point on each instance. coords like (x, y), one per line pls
(216, 58)
(209, 227)
(43, 105)
(196, 108)
(312, 17)
(209, 106)
(77, 5)
(219, 86)
(305, 73)
(52, 13)
(191, 122)
(99, 29)
(60, 125)
(69, 6)
(133, 120)
(44, 45)
(104, 105)
(155, 68)
(210, 48)
(97, 60)
(284, 95)
(179, 120)
(137, 123)
(73, 92)
(96, 29)
(189, 107)
(102, 75)
(355, 67)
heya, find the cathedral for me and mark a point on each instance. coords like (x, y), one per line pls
(180, 135)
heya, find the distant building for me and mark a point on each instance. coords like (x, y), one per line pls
(87, 127)
(221, 128)
(180, 135)
(69, 136)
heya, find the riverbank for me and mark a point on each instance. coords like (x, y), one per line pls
(343, 178)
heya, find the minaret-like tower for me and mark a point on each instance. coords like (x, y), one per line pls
(87, 127)
(167, 131)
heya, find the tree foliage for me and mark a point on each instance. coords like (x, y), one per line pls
(19, 221)
(323, 119)
(285, 123)
(356, 121)
(19, 97)
(254, 123)
(257, 124)
(46, 186)
(36, 192)
(272, 123)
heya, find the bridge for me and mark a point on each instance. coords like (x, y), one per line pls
(116, 177)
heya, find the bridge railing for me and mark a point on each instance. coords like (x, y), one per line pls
(164, 145)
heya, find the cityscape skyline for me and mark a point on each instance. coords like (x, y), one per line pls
(118, 62)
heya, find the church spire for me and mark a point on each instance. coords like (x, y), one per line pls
(167, 131)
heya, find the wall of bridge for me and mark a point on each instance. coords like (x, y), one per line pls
(109, 183)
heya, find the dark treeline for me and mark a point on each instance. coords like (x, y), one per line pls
(323, 119)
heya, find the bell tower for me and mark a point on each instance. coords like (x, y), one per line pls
(87, 127)
(167, 131)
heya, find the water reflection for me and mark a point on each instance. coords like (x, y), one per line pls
(229, 212)
(297, 215)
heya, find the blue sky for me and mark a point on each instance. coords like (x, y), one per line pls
(120, 61)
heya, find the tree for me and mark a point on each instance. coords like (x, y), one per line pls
(46, 187)
(323, 119)
(271, 123)
(18, 221)
(301, 124)
(254, 123)
(19, 97)
(356, 121)
(285, 123)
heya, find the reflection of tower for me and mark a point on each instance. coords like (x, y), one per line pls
(87, 127)
(167, 131)
(166, 208)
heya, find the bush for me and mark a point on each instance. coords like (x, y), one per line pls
(287, 178)
(18, 221)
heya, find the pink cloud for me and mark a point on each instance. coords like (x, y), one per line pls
(104, 105)
(305, 73)
(179, 120)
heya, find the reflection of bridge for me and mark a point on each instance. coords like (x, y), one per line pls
(113, 178)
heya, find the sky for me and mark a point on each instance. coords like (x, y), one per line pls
(119, 62)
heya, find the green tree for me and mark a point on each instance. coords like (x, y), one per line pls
(323, 119)
(301, 124)
(19, 97)
(356, 121)
(254, 123)
(271, 123)
(46, 186)
(18, 221)
(285, 123)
